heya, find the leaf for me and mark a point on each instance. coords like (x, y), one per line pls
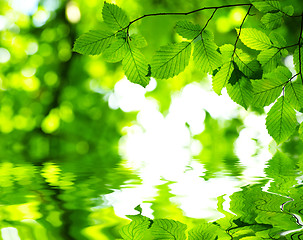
(266, 5)
(297, 56)
(205, 55)
(268, 89)
(93, 42)
(281, 120)
(294, 95)
(255, 39)
(289, 10)
(116, 51)
(222, 76)
(114, 16)
(136, 229)
(272, 20)
(137, 40)
(207, 231)
(241, 92)
(170, 60)
(168, 229)
(277, 39)
(187, 29)
(246, 64)
(269, 59)
(136, 67)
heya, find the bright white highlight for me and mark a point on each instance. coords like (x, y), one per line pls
(10, 233)
(73, 13)
(160, 147)
(4, 55)
(28, 7)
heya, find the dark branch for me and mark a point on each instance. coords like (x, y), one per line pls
(186, 13)
(240, 29)
(299, 42)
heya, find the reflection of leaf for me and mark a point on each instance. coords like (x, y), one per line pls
(282, 170)
(253, 206)
(170, 60)
(136, 229)
(93, 42)
(281, 120)
(114, 16)
(168, 229)
(207, 231)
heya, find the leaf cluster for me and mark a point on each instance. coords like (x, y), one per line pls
(254, 79)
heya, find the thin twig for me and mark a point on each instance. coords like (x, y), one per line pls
(185, 13)
(299, 42)
(240, 29)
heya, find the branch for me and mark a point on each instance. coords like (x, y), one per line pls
(299, 42)
(240, 29)
(186, 13)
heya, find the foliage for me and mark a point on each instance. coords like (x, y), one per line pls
(255, 213)
(230, 66)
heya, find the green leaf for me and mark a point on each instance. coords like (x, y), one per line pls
(268, 89)
(246, 64)
(137, 40)
(170, 60)
(255, 39)
(297, 58)
(269, 59)
(207, 231)
(168, 229)
(241, 92)
(294, 95)
(281, 120)
(136, 67)
(114, 16)
(187, 29)
(289, 10)
(222, 76)
(277, 39)
(93, 42)
(205, 54)
(266, 5)
(136, 229)
(116, 51)
(272, 20)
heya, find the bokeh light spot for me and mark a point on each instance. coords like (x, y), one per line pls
(73, 13)
(4, 55)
